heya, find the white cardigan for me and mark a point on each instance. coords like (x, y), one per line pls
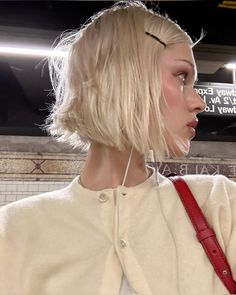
(81, 242)
(125, 287)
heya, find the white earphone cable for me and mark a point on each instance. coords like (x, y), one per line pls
(127, 167)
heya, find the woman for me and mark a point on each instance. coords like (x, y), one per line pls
(125, 88)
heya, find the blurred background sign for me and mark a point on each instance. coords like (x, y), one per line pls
(220, 98)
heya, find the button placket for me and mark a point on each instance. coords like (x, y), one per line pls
(122, 195)
(123, 245)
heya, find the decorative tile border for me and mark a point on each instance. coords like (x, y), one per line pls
(202, 166)
(63, 167)
(38, 167)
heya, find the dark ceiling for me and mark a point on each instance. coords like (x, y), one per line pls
(219, 23)
(24, 92)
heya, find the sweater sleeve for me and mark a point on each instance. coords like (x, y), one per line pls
(231, 244)
(220, 211)
(8, 247)
(15, 234)
(216, 196)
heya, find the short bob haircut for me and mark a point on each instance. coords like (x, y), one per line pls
(108, 88)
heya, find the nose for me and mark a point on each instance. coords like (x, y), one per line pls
(196, 103)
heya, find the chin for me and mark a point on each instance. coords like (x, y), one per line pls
(179, 150)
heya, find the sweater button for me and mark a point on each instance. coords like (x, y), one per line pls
(122, 243)
(103, 198)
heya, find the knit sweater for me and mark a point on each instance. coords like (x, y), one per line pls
(77, 241)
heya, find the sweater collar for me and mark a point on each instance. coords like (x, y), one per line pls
(149, 183)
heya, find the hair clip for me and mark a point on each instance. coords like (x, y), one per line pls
(159, 40)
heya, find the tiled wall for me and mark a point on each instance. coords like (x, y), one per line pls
(11, 191)
(27, 174)
(24, 174)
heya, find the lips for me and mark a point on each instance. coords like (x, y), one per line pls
(193, 124)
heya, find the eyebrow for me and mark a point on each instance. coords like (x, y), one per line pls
(187, 61)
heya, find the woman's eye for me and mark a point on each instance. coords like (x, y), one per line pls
(182, 76)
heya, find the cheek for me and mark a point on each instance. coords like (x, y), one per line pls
(172, 95)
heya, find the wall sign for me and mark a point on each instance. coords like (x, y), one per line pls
(220, 98)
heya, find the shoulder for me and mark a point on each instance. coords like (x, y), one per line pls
(204, 181)
(35, 200)
(212, 191)
(208, 183)
(207, 189)
(34, 208)
(207, 179)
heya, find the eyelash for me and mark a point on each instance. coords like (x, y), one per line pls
(185, 74)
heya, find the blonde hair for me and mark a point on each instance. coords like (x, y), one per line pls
(108, 89)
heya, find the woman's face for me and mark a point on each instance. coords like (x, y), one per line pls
(182, 103)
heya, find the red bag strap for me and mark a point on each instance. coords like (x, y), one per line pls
(205, 234)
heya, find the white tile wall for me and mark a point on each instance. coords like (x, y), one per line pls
(11, 191)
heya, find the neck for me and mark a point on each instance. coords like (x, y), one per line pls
(105, 167)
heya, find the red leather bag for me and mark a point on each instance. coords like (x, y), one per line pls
(205, 234)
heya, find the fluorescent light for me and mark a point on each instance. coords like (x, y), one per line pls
(31, 51)
(231, 66)
(228, 4)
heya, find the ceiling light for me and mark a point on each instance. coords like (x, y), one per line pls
(231, 66)
(31, 51)
(228, 4)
